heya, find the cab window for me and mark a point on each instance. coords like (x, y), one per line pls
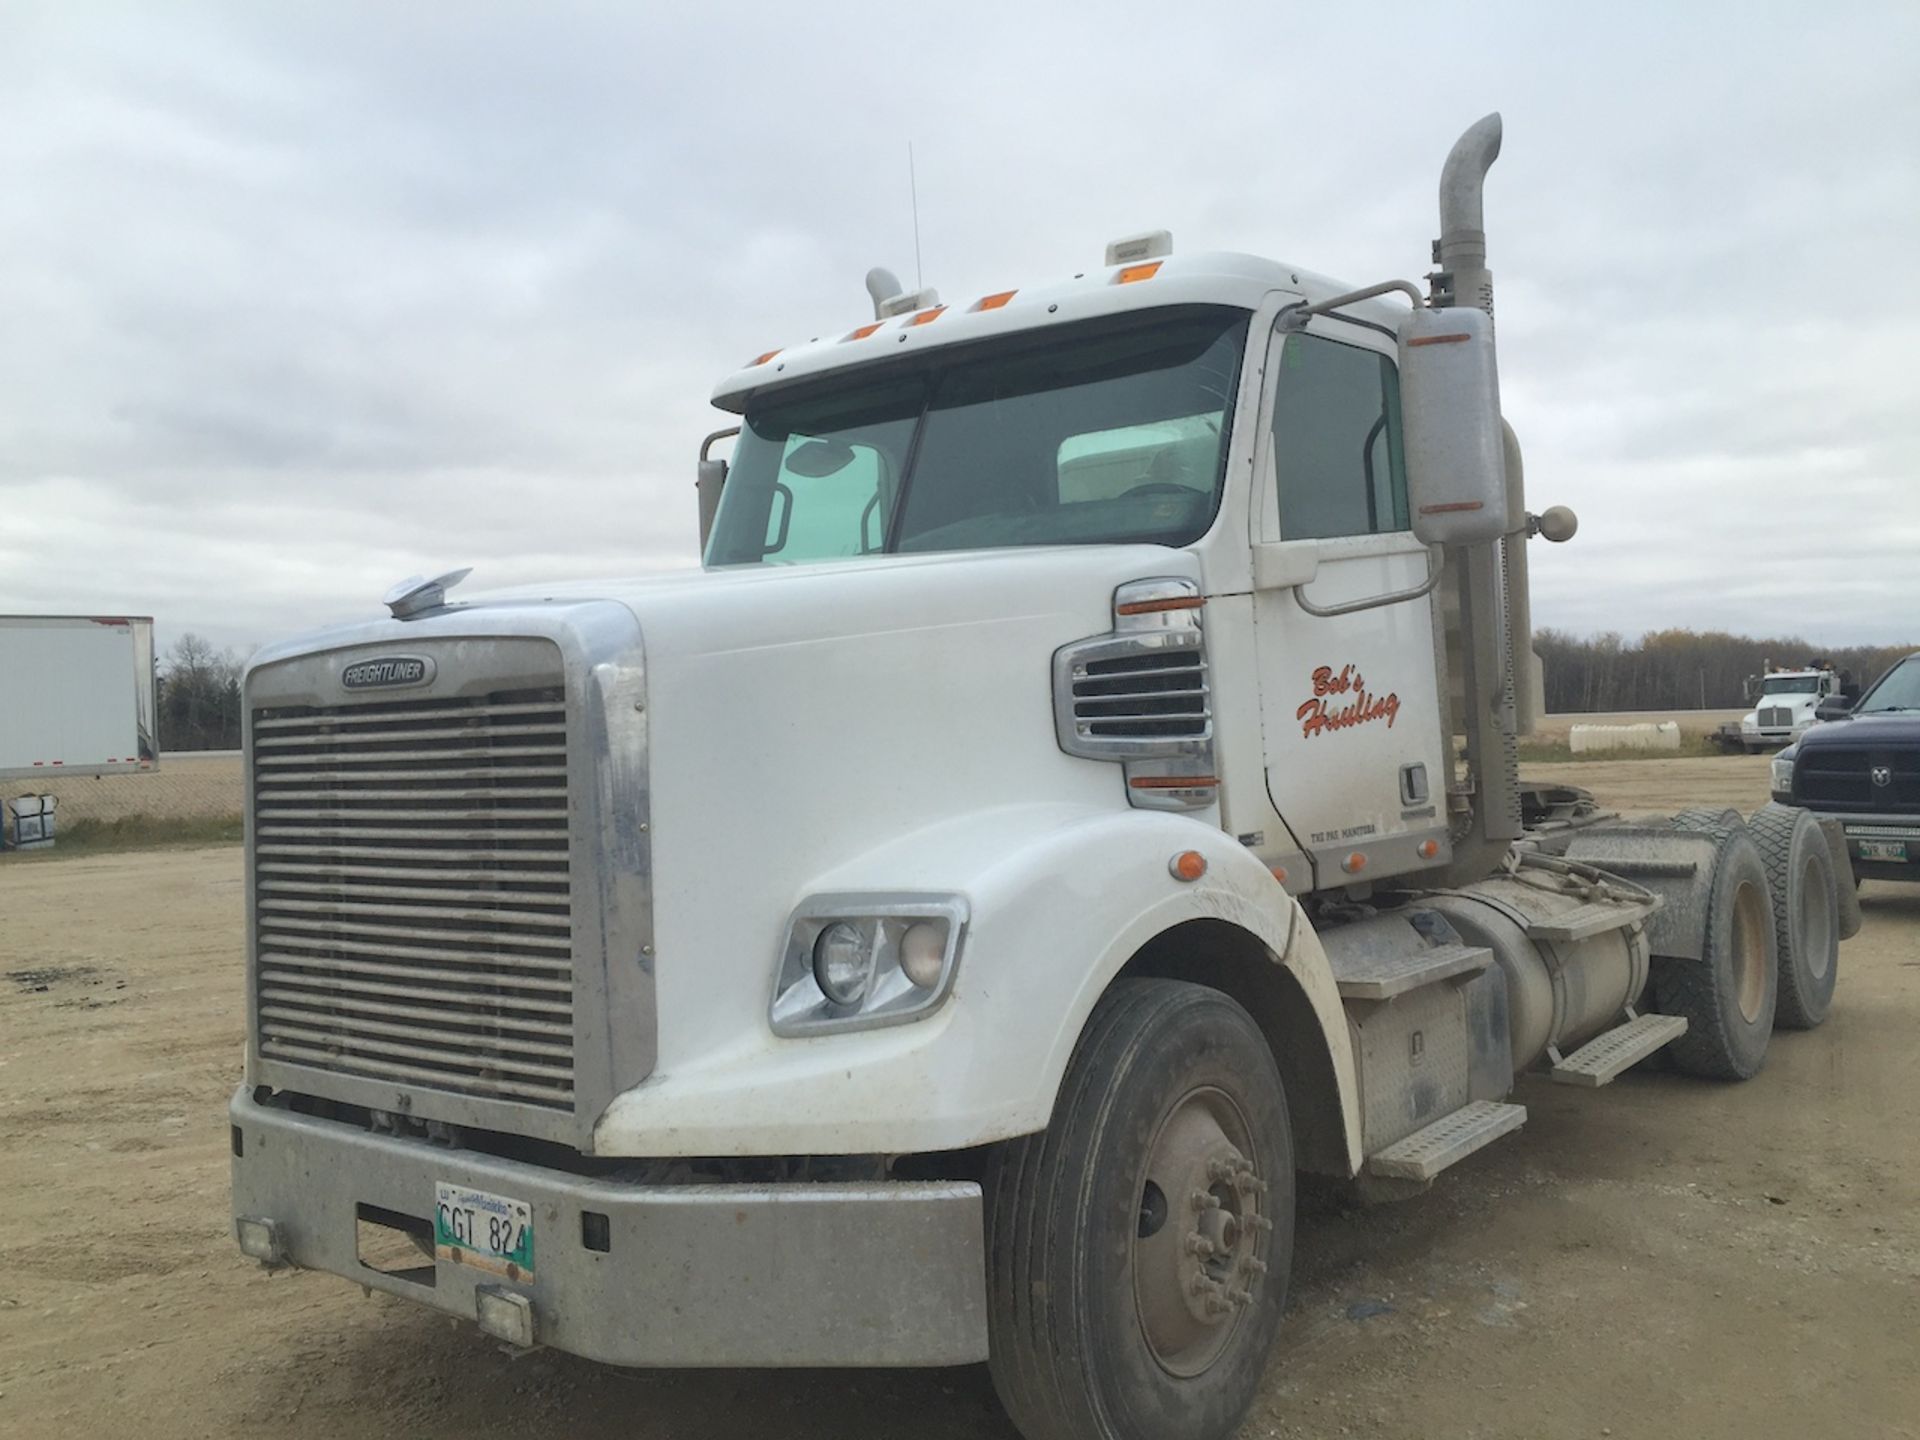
(1336, 441)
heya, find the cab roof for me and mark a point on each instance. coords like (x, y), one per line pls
(1219, 278)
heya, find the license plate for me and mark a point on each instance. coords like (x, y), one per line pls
(487, 1232)
(1882, 849)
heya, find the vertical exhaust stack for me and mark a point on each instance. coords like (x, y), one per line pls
(1490, 580)
(1461, 250)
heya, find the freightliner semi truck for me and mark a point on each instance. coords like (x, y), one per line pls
(1073, 805)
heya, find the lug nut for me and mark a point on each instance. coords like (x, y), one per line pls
(1200, 1245)
(1254, 1265)
(1221, 1172)
(1202, 1201)
(1260, 1222)
(1240, 1298)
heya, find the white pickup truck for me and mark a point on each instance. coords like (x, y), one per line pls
(946, 927)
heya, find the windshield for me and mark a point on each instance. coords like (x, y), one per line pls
(1898, 689)
(1111, 431)
(1791, 685)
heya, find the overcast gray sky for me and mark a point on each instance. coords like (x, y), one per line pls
(298, 299)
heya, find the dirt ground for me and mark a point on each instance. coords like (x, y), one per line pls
(1663, 1257)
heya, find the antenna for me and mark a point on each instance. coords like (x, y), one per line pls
(913, 189)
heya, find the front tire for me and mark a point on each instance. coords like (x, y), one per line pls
(1138, 1249)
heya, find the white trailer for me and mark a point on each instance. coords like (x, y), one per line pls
(77, 696)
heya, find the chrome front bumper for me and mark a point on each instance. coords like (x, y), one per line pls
(878, 1273)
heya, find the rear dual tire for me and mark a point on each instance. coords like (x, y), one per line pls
(1806, 911)
(1138, 1249)
(1730, 993)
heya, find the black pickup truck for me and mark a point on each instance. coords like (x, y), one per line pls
(1861, 766)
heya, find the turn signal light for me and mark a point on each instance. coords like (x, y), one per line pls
(1187, 865)
(1354, 863)
(1154, 607)
(1429, 849)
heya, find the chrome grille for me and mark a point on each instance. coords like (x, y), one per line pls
(1158, 694)
(413, 914)
(1775, 717)
(1141, 695)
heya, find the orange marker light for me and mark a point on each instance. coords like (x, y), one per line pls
(862, 332)
(1354, 863)
(1174, 782)
(1280, 873)
(1154, 607)
(995, 301)
(927, 317)
(1137, 272)
(1187, 865)
(1429, 849)
(762, 359)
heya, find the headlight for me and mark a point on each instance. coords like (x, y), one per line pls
(1783, 774)
(855, 961)
(843, 962)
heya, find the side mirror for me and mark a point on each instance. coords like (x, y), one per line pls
(710, 479)
(1834, 707)
(1450, 417)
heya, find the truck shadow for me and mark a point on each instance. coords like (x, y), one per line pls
(1883, 899)
(429, 1377)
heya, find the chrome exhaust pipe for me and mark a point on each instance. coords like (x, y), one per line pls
(1461, 250)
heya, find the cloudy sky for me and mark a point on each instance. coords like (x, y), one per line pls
(296, 299)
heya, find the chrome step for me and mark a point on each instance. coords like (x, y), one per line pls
(1381, 977)
(1605, 1056)
(1425, 1153)
(1584, 923)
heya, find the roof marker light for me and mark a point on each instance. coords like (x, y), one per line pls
(994, 301)
(927, 317)
(1137, 272)
(862, 332)
(762, 359)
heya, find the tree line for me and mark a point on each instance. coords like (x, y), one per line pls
(199, 697)
(1683, 669)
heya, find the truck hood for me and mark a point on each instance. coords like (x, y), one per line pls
(796, 719)
(1893, 730)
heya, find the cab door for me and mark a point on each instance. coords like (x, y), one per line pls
(1356, 761)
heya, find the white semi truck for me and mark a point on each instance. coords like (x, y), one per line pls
(1785, 705)
(76, 696)
(948, 926)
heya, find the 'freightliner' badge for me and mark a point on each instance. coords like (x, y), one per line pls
(387, 672)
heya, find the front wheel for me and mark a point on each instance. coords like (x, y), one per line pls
(1139, 1247)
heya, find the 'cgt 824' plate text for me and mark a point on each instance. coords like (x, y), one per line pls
(486, 1232)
